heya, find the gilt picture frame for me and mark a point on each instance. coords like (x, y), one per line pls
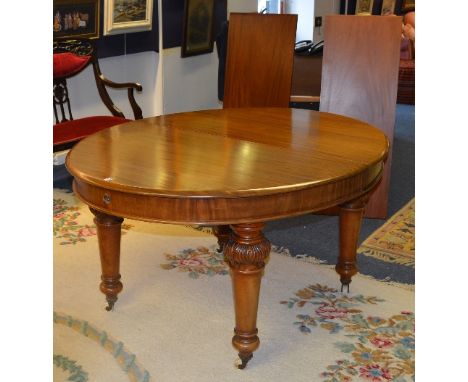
(197, 36)
(408, 5)
(364, 7)
(388, 7)
(76, 18)
(127, 16)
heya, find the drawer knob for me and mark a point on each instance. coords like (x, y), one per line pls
(106, 198)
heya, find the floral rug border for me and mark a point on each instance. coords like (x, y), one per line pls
(394, 241)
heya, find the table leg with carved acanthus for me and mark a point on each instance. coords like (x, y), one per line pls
(109, 233)
(246, 252)
(222, 232)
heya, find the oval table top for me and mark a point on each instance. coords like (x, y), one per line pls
(245, 153)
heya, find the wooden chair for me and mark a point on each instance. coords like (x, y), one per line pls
(360, 80)
(259, 64)
(71, 57)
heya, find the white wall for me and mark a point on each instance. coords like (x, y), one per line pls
(307, 10)
(139, 67)
(305, 20)
(323, 8)
(174, 84)
(242, 6)
(189, 83)
(170, 83)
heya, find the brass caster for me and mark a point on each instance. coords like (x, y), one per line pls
(110, 303)
(244, 359)
(342, 285)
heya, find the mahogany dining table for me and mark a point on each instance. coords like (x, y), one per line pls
(233, 169)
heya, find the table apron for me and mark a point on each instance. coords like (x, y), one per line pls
(227, 210)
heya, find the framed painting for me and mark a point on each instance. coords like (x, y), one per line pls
(408, 5)
(197, 37)
(76, 18)
(388, 7)
(127, 16)
(364, 7)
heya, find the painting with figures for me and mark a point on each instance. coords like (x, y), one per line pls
(73, 18)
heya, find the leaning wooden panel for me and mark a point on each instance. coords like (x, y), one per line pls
(360, 79)
(306, 79)
(259, 60)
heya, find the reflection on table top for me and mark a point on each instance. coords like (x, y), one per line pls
(227, 152)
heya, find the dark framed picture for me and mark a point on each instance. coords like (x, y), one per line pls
(364, 7)
(76, 18)
(197, 37)
(408, 5)
(388, 7)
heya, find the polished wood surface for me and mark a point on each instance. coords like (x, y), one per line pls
(239, 166)
(304, 98)
(259, 60)
(306, 78)
(360, 79)
(246, 253)
(258, 73)
(109, 233)
(188, 167)
(351, 214)
(227, 153)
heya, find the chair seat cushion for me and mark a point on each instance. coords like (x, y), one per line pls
(68, 64)
(77, 129)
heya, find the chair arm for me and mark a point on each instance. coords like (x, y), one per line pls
(117, 85)
(102, 82)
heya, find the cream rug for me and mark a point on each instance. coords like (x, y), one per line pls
(174, 318)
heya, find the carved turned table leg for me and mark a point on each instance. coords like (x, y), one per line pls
(222, 232)
(350, 226)
(109, 231)
(246, 252)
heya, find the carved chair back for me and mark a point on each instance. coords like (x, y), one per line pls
(71, 57)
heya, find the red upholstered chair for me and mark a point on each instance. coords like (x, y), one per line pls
(71, 57)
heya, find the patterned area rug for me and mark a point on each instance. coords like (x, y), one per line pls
(395, 240)
(174, 318)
